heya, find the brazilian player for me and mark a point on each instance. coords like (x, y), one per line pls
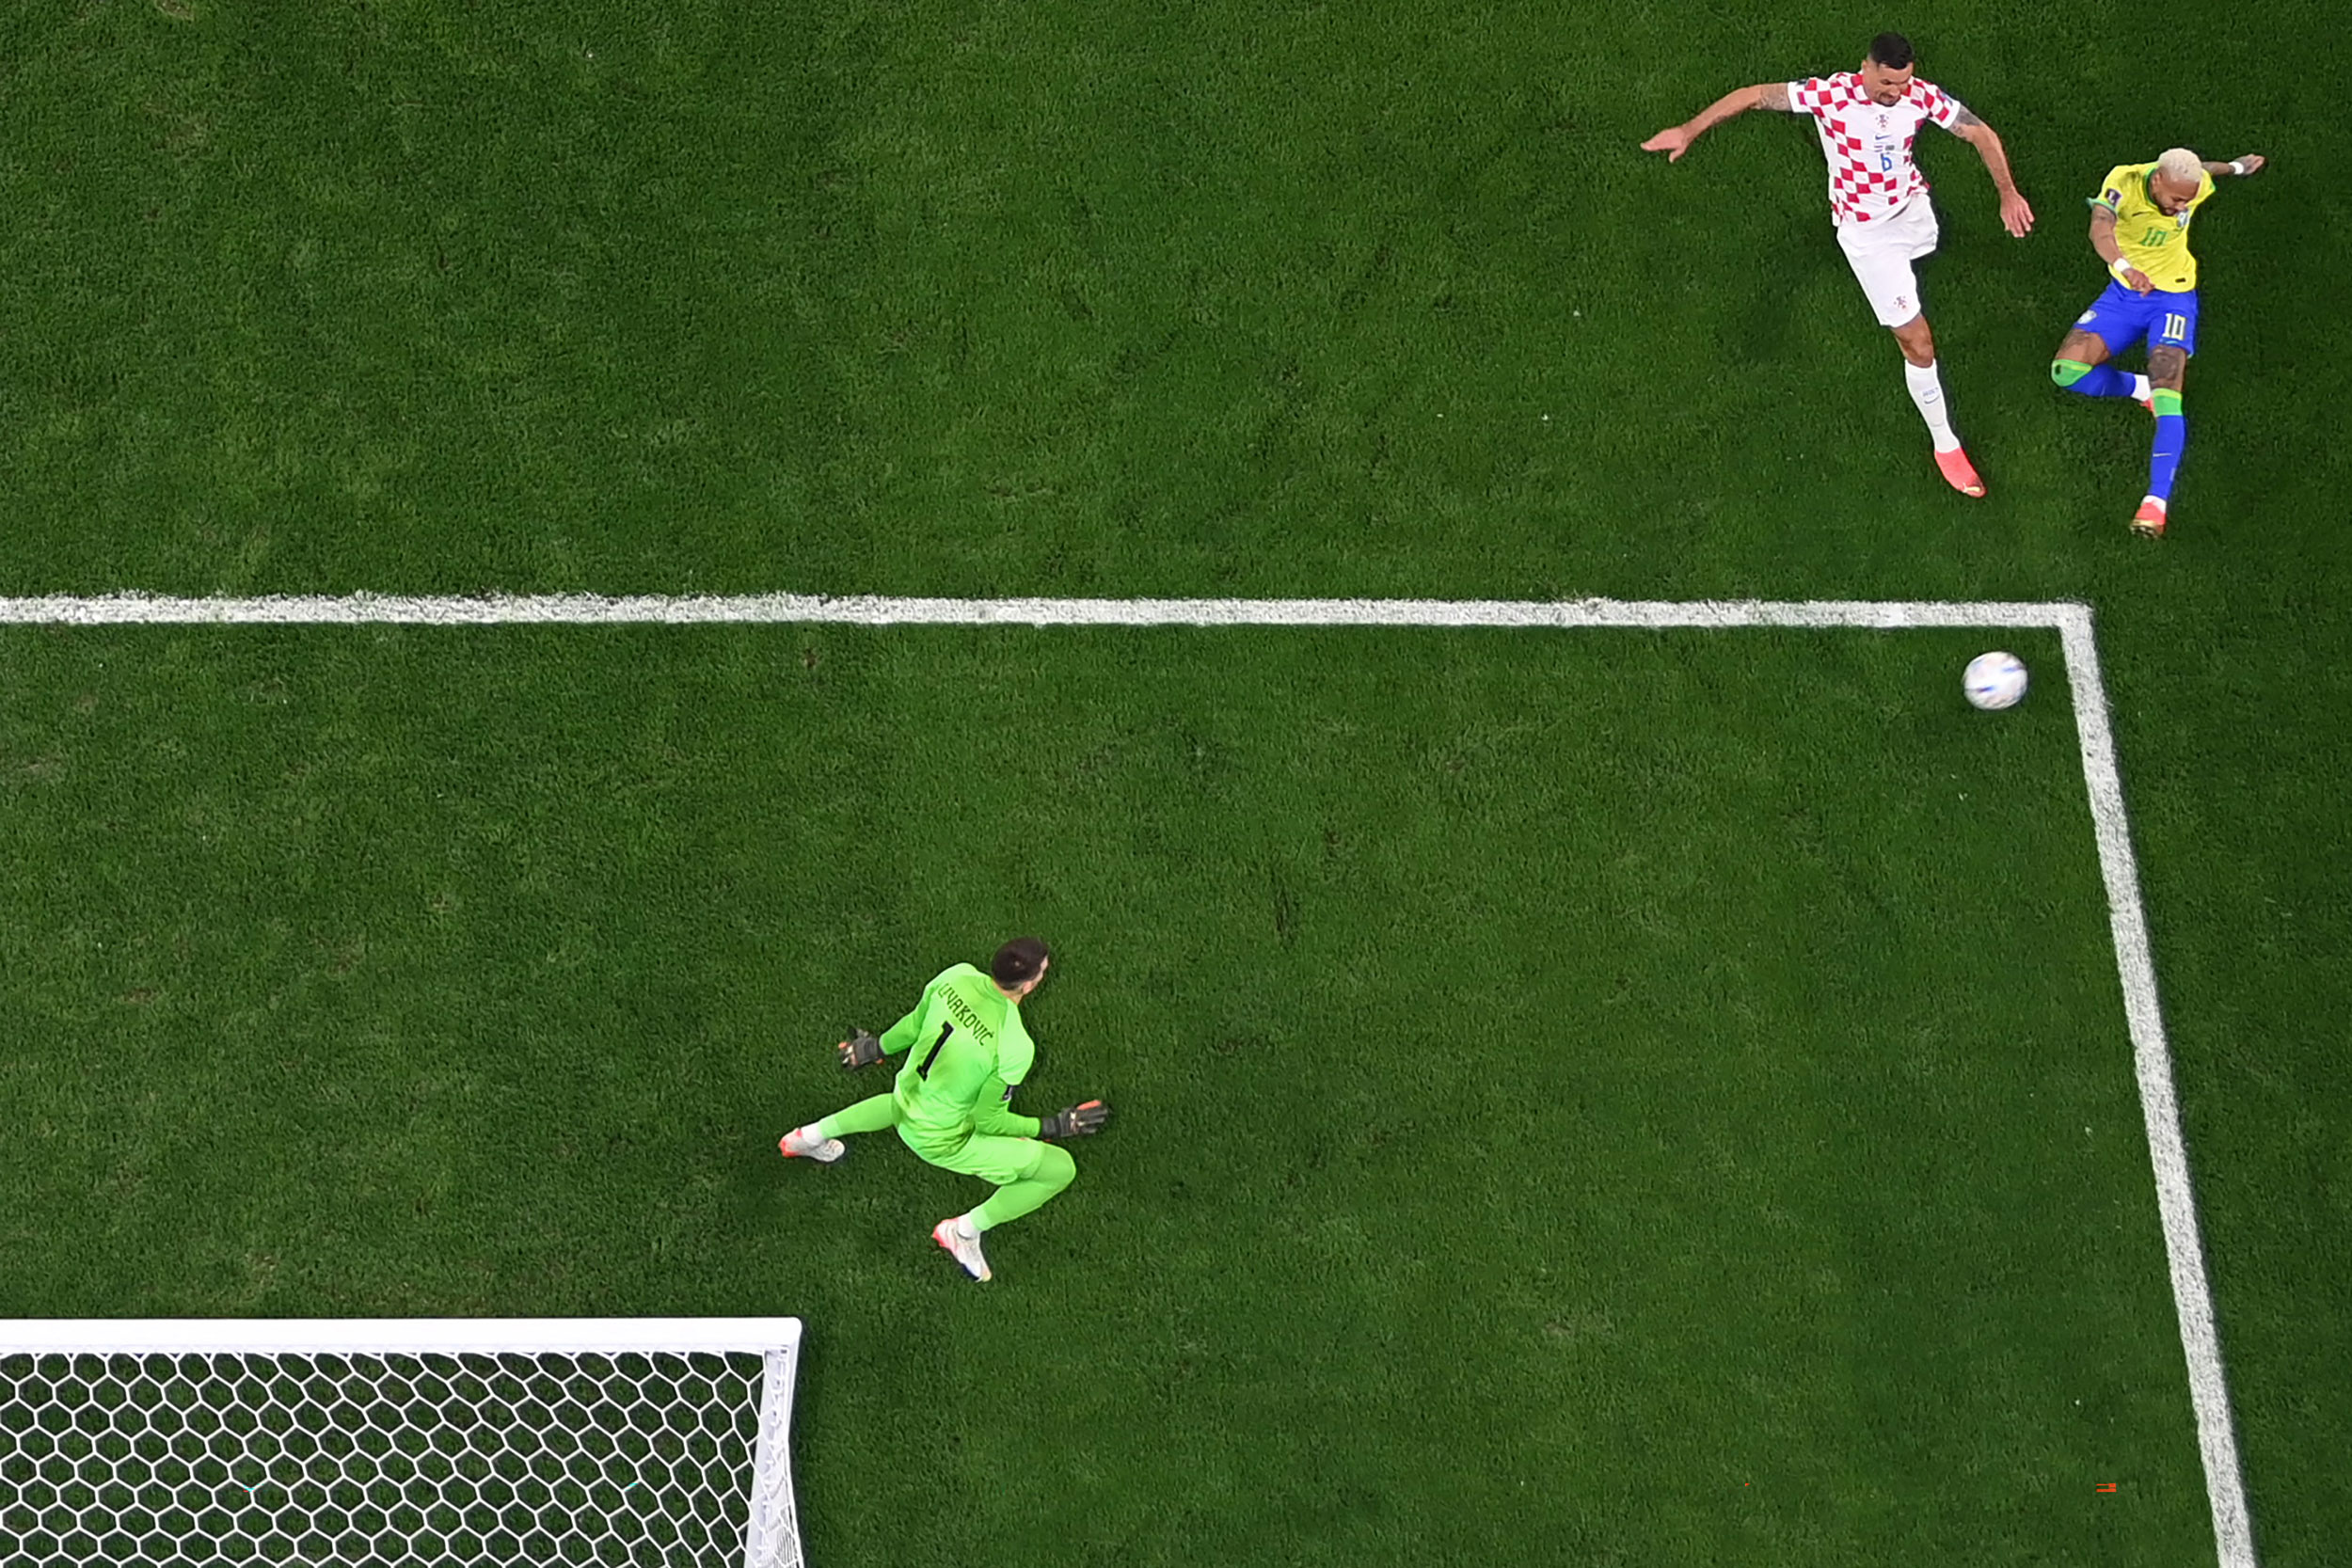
(966, 1051)
(2140, 227)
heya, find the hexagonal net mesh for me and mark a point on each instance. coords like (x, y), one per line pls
(443, 1447)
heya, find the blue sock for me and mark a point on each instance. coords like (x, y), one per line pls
(2164, 459)
(2103, 381)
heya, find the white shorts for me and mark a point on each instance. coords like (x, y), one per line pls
(1881, 254)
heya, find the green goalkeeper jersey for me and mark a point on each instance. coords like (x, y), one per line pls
(966, 1049)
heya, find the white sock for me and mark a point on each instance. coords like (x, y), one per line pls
(2139, 387)
(1927, 392)
(968, 1227)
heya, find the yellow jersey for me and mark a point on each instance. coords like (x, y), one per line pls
(2153, 240)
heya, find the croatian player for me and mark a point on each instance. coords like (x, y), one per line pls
(1868, 120)
(969, 1050)
(2139, 228)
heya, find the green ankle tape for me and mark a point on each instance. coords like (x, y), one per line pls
(2167, 402)
(2067, 372)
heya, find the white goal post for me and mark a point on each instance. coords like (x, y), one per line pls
(399, 1441)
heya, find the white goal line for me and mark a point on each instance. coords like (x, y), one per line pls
(2192, 1295)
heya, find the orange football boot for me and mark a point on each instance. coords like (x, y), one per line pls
(1958, 472)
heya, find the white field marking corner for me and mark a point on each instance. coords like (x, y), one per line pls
(2192, 1295)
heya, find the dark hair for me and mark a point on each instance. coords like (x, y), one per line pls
(1891, 50)
(1018, 961)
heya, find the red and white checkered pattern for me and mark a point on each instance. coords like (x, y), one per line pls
(1868, 145)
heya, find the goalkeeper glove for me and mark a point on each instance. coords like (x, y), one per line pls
(860, 1050)
(1075, 1122)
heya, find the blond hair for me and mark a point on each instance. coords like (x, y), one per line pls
(2180, 164)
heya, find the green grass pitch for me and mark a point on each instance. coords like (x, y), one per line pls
(1583, 1097)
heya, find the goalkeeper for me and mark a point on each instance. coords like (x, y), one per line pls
(967, 1051)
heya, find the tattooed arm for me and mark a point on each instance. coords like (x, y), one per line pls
(2016, 214)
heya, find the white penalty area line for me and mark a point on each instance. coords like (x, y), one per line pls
(2135, 961)
(2192, 1294)
(585, 609)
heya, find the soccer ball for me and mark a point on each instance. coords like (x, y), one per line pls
(1994, 681)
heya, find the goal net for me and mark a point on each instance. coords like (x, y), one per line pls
(443, 1442)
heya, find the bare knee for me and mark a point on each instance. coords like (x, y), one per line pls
(2084, 348)
(2167, 368)
(1917, 341)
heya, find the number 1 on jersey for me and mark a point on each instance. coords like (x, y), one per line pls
(932, 1055)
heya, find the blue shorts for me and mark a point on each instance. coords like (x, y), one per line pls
(2123, 318)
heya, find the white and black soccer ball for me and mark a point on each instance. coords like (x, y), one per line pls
(1994, 681)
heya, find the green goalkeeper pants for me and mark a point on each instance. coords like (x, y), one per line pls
(1026, 1171)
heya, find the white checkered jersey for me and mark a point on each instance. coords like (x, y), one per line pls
(1867, 146)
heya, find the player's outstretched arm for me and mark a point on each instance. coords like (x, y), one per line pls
(1676, 140)
(2240, 166)
(2016, 213)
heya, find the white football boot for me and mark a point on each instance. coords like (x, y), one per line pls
(803, 1143)
(962, 1238)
